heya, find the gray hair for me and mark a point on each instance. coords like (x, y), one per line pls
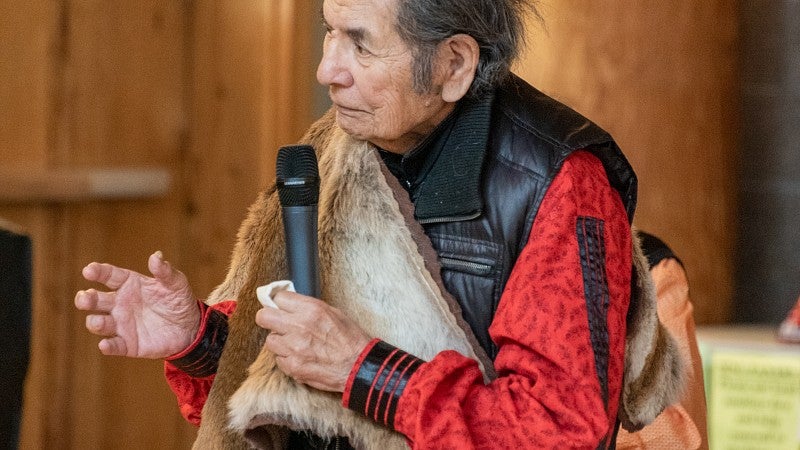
(497, 26)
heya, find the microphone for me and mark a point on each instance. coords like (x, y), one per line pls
(297, 180)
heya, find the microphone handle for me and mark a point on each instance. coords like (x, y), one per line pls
(302, 252)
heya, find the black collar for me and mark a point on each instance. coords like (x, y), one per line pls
(443, 173)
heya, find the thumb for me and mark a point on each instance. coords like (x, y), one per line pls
(163, 270)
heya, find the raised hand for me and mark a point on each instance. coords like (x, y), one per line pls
(144, 317)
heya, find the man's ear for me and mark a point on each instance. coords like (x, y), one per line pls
(459, 58)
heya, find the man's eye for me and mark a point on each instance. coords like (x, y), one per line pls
(361, 51)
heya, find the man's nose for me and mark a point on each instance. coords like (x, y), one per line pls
(332, 69)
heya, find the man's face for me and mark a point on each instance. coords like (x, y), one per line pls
(367, 68)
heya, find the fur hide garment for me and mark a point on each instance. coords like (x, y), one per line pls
(380, 269)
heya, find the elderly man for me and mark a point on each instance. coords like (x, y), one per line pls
(495, 221)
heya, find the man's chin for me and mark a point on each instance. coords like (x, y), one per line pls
(345, 123)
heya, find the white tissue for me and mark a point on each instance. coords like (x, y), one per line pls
(267, 292)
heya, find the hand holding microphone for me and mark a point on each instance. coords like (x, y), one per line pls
(314, 343)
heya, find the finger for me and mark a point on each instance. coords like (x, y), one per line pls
(93, 300)
(272, 319)
(293, 302)
(275, 344)
(101, 324)
(290, 365)
(111, 276)
(113, 346)
(162, 269)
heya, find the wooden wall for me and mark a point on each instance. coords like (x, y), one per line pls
(207, 90)
(663, 79)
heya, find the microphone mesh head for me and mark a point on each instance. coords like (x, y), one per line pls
(297, 175)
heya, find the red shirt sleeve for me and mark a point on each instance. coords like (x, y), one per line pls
(560, 329)
(190, 373)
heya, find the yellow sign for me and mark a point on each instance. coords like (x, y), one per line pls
(753, 400)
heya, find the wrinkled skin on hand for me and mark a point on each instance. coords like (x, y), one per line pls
(314, 343)
(142, 316)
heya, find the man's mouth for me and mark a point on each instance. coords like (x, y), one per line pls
(346, 110)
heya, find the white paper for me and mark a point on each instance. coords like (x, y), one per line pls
(266, 293)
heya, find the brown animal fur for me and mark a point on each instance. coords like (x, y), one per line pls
(654, 376)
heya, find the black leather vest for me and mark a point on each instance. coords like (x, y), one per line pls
(530, 135)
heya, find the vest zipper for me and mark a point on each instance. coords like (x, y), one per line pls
(448, 219)
(478, 268)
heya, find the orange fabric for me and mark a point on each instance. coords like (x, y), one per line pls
(683, 425)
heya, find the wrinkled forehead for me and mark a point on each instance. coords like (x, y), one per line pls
(371, 17)
(368, 23)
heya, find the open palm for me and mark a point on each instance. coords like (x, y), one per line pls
(145, 317)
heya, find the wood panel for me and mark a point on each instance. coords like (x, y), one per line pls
(115, 100)
(207, 90)
(251, 94)
(26, 35)
(662, 78)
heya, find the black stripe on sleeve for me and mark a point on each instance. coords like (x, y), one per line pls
(203, 360)
(591, 245)
(380, 381)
